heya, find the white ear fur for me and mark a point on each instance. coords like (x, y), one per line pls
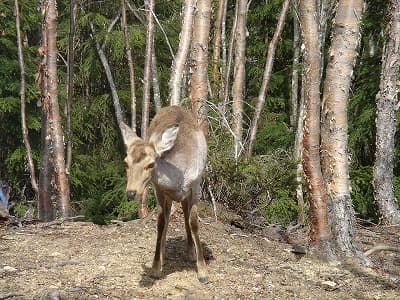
(128, 134)
(167, 140)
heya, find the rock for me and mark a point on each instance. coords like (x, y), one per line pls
(9, 269)
(329, 285)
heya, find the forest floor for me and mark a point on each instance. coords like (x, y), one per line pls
(86, 261)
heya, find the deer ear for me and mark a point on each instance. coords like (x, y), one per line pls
(167, 140)
(128, 134)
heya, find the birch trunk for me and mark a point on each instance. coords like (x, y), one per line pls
(319, 231)
(387, 105)
(298, 154)
(267, 76)
(25, 134)
(334, 137)
(223, 50)
(156, 84)
(70, 82)
(117, 106)
(45, 205)
(325, 8)
(199, 64)
(228, 60)
(239, 81)
(216, 63)
(294, 92)
(147, 77)
(61, 180)
(130, 65)
(178, 64)
(143, 211)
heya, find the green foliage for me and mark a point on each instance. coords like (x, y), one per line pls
(396, 185)
(273, 134)
(265, 182)
(281, 211)
(362, 192)
(20, 210)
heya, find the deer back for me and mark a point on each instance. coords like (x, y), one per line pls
(179, 170)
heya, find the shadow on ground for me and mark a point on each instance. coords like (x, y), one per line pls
(175, 261)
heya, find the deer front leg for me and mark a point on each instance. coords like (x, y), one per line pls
(164, 207)
(194, 227)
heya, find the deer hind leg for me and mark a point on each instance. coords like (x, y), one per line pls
(194, 228)
(164, 206)
(190, 249)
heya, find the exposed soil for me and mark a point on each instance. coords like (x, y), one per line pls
(86, 261)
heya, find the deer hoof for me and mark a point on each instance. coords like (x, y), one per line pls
(155, 273)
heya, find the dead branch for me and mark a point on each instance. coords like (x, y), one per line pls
(61, 221)
(379, 248)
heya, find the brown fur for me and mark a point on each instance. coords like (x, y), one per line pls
(173, 158)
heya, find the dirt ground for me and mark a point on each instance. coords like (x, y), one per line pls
(86, 261)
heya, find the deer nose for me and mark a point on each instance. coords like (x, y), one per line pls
(131, 195)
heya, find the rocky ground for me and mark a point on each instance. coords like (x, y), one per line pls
(85, 261)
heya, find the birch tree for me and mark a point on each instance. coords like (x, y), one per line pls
(179, 62)
(319, 231)
(130, 65)
(25, 134)
(53, 114)
(217, 41)
(387, 104)
(143, 211)
(199, 63)
(70, 82)
(239, 80)
(334, 135)
(45, 205)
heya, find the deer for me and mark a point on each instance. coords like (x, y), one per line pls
(173, 158)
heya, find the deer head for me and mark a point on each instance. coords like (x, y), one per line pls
(141, 159)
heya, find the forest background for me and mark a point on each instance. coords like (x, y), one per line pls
(264, 183)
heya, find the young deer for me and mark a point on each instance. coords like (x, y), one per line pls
(173, 158)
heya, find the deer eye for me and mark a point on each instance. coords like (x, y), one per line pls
(150, 166)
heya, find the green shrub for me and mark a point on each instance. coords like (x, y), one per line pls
(362, 193)
(282, 211)
(265, 183)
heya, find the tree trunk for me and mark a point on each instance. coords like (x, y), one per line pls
(25, 135)
(61, 180)
(117, 107)
(70, 82)
(223, 50)
(228, 59)
(325, 8)
(319, 231)
(45, 205)
(216, 73)
(239, 81)
(387, 105)
(294, 92)
(334, 135)
(199, 64)
(178, 65)
(267, 76)
(147, 68)
(298, 154)
(130, 65)
(156, 84)
(143, 211)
